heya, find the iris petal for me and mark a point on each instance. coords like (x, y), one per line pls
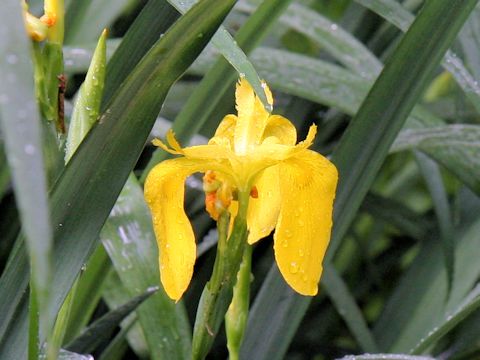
(282, 129)
(252, 118)
(263, 211)
(307, 188)
(226, 128)
(164, 194)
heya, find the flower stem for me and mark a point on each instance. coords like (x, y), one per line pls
(237, 315)
(217, 294)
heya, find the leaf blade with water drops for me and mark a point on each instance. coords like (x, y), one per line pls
(21, 127)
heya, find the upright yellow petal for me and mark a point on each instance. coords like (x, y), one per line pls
(307, 188)
(164, 194)
(281, 128)
(226, 128)
(252, 118)
(263, 211)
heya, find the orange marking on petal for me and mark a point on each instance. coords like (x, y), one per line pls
(210, 206)
(49, 19)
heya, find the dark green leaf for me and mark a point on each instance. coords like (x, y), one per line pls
(457, 147)
(87, 293)
(397, 214)
(419, 303)
(347, 307)
(433, 179)
(402, 18)
(341, 44)
(102, 329)
(471, 303)
(140, 37)
(233, 52)
(115, 294)
(21, 129)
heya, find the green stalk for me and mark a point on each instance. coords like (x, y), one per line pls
(236, 317)
(217, 294)
(33, 327)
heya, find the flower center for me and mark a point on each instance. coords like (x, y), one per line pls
(219, 194)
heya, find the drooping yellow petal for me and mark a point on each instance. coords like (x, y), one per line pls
(263, 211)
(281, 128)
(251, 120)
(164, 194)
(307, 188)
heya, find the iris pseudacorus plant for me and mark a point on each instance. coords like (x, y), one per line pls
(289, 188)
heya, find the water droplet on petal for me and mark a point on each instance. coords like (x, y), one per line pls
(293, 267)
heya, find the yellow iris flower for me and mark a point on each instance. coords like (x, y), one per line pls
(293, 193)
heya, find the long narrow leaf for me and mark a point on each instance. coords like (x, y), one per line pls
(457, 147)
(433, 178)
(105, 326)
(140, 37)
(234, 54)
(338, 42)
(21, 128)
(402, 18)
(418, 303)
(339, 293)
(471, 303)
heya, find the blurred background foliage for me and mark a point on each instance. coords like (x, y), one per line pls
(402, 272)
